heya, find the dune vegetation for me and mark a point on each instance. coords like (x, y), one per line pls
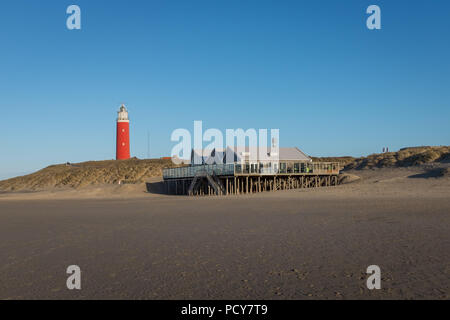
(405, 157)
(78, 175)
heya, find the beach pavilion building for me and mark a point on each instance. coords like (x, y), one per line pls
(237, 170)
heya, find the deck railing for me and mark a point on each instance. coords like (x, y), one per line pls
(230, 169)
(189, 172)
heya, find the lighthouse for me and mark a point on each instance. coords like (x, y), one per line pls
(123, 134)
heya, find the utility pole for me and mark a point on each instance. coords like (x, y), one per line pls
(148, 144)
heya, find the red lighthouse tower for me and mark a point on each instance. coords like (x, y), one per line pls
(123, 134)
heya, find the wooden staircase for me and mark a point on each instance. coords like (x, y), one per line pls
(213, 181)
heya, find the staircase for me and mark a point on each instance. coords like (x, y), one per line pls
(213, 180)
(219, 184)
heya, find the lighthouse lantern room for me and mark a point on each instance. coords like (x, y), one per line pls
(123, 134)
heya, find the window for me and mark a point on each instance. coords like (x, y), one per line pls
(290, 167)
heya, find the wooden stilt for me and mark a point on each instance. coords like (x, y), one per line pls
(246, 184)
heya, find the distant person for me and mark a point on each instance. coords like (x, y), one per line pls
(383, 149)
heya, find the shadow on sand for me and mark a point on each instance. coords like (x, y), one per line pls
(155, 187)
(433, 173)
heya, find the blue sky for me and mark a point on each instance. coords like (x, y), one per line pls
(310, 68)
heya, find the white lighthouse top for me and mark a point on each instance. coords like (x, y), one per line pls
(122, 114)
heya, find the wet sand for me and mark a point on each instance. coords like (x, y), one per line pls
(297, 244)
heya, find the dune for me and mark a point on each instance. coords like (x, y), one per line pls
(88, 174)
(348, 178)
(405, 157)
(108, 177)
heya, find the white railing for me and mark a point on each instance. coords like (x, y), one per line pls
(188, 172)
(238, 168)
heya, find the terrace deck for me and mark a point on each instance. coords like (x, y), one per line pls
(225, 179)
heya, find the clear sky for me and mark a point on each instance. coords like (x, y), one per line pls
(310, 68)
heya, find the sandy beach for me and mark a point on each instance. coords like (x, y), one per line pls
(294, 244)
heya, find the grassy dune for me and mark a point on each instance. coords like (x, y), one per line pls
(403, 158)
(83, 174)
(134, 170)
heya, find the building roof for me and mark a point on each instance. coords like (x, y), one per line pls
(293, 154)
(285, 154)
